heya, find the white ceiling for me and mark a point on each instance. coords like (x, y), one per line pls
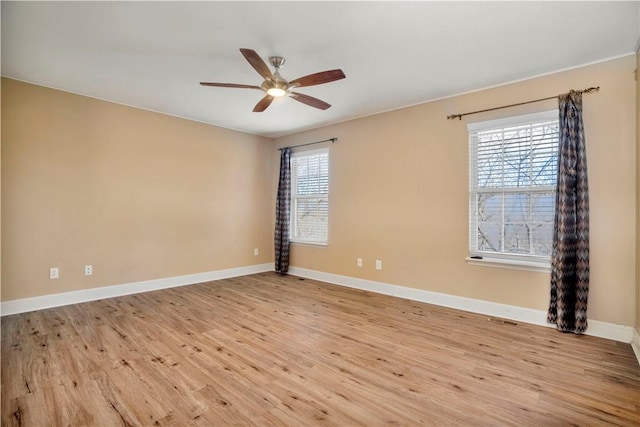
(153, 54)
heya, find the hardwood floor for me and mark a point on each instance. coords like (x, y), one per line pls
(271, 350)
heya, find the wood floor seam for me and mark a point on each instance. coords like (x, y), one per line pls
(267, 349)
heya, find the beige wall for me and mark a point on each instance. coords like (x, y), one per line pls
(138, 195)
(399, 193)
(638, 191)
(143, 196)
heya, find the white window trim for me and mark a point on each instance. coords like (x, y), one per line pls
(508, 261)
(542, 266)
(512, 121)
(292, 238)
(309, 243)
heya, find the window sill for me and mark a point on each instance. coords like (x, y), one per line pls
(312, 244)
(540, 267)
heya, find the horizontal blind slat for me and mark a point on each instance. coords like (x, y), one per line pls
(310, 204)
(513, 172)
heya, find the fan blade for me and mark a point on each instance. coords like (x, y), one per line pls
(309, 100)
(318, 78)
(230, 85)
(263, 104)
(257, 63)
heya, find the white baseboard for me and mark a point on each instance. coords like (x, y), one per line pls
(56, 300)
(596, 328)
(635, 344)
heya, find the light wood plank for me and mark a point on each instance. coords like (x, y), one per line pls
(278, 350)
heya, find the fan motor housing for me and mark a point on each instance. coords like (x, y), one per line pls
(277, 61)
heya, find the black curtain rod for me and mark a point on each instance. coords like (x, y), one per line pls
(310, 143)
(459, 116)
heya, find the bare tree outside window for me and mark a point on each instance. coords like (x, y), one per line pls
(512, 191)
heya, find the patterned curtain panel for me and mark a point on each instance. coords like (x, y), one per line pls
(283, 213)
(570, 254)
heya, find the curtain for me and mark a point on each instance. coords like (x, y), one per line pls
(283, 213)
(570, 253)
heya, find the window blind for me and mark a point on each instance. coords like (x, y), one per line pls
(513, 168)
(310, 196)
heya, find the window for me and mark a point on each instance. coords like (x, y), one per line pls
(310, 196)
(512, 183)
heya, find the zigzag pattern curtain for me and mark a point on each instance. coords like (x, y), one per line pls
(570, 253)
(283, 213)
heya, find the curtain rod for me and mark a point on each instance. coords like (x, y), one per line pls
(310, 143)
(459, 116)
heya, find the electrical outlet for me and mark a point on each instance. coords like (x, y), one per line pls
(88, 270)
(256, 252)
(378, 264)
(359, 262)
(54, 273)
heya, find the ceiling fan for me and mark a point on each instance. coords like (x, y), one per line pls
(275, 86)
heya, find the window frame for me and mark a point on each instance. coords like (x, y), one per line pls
(502, 259)
(293, 238)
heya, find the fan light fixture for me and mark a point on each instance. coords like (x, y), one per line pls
(276, 92)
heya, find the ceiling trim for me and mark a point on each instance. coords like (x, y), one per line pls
(133, 106)
(283, 134)
(612, 58)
